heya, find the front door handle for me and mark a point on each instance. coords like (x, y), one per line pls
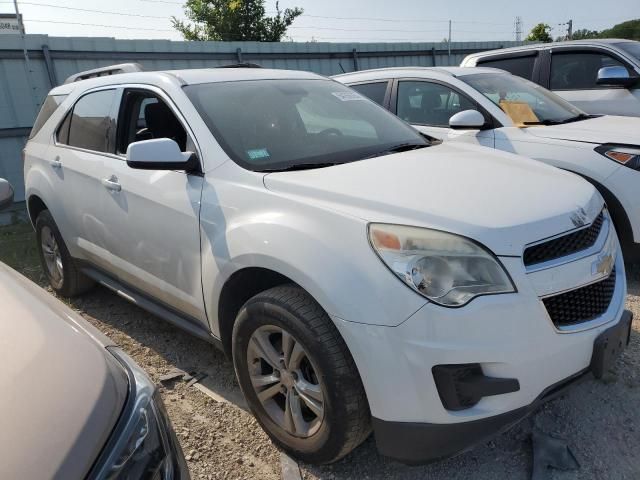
(111, 183)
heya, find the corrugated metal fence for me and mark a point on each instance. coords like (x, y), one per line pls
(23, 86)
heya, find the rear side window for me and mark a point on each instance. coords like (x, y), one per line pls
(520, 66)
(50, 105)
(374, 91)
(89, 124)
(579, 70)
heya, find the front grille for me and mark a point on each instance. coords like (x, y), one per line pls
(582, 304)
(565, 245)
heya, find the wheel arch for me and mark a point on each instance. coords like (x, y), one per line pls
(35, 206)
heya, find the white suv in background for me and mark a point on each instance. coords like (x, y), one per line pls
(490, 107)
(359, 276)
(598, 76)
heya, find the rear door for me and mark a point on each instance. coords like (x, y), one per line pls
(573, 75)
(82, 142)
(428, 106)
(154, 215)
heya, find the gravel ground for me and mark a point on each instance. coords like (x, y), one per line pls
(600, 421)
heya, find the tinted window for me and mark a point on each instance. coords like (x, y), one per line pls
(63, 130)
(430, 103)
(375, 91)
(144, 116)
(520, 66)
(91, 121)
(49, 106)
(577, 71)
(632, 48)
(276, 124)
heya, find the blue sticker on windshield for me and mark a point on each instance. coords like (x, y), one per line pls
(258, 153)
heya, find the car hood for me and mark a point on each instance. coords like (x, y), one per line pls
(62, 390)
(501, 200)
(604, 129)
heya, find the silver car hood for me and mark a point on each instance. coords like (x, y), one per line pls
(62, 390)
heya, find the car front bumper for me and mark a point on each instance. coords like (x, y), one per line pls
(509, 336)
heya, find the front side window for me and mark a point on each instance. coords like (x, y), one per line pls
(280, 124)
(520, 66)
(145, 116)
(523, 101)
(374, 91)
(579, 70)
(428, 103)
(89, 124)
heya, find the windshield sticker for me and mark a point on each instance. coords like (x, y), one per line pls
(258, 153)
(347, 96)
(520, 112)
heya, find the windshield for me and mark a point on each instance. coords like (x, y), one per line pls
(632, 48)
(523, 101)
(280, 124)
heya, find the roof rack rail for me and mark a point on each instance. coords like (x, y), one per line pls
(241, 65)
(105, 71)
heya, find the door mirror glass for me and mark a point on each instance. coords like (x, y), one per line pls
(471, 119)
(615, 77)
(160, 154)
(6, 194)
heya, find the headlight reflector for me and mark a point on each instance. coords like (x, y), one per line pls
(628, 156)
(448, 269)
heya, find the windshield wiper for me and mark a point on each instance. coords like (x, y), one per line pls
(403, 147)
(301, 166)
(577, 118)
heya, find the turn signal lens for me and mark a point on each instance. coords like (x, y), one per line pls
(627, 155)
(621, 157)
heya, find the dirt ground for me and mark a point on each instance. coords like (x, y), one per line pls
(600, 421)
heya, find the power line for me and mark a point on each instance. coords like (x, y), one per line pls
(89, 10)
(97, 25)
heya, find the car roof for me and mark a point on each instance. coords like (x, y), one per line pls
(539, 46)
(188, 77)
(394, 72)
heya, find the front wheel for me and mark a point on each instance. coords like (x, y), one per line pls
(298, 376)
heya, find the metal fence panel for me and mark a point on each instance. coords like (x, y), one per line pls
(52, 59)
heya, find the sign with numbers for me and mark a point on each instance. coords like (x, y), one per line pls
(9, 24)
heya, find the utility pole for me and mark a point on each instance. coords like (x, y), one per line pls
(449, 43)
(25, 52)
(569, 29)
(518, 29)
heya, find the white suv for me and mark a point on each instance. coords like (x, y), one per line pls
(359, 276)
(598, 76)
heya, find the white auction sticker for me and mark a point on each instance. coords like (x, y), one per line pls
(348, 96)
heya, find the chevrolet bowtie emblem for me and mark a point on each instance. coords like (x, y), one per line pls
(579, 218)
(603, 265)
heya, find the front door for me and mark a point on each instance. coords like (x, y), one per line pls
(573, 77)
(428, 106)
(154, 215)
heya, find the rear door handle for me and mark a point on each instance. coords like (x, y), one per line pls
(111, 183)
(56, 163)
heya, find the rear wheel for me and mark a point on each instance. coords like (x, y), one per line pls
(61, 271)
(298, 376)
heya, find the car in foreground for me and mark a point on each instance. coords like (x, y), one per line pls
(492, 108)
(74, 405)
(597, 76)
(359, 275)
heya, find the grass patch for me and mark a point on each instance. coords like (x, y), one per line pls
(18, 250)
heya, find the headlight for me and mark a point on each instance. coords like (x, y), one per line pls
(143, 445)
(626, 155)
(448, 269)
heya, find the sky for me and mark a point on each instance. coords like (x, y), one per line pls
(335, 20)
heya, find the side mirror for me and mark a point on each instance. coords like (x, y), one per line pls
(160, 154)
(467, 119)
(6, 194)
(615, 77)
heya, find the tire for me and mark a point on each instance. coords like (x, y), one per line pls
(324, 370)
(61, 271)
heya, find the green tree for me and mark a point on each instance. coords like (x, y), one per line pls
(540, 33)
(234, 20)
(629, 30)
(584, 34)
